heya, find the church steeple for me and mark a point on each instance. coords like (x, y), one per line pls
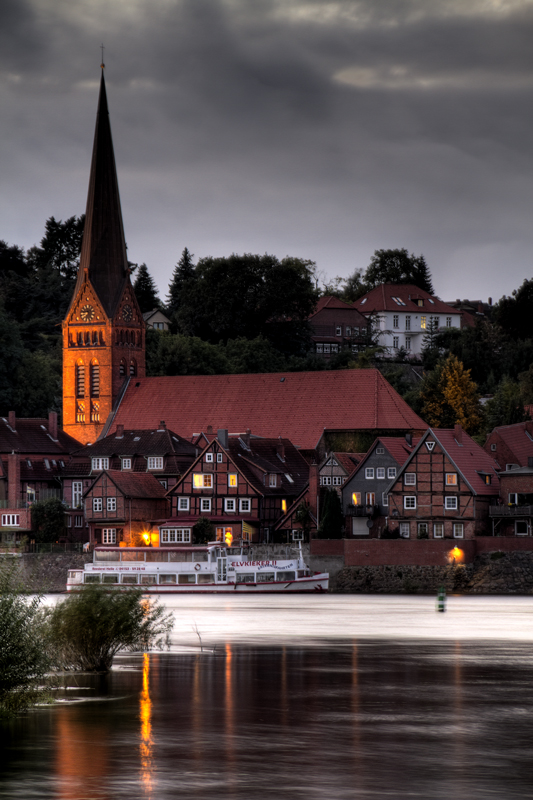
(103, 252)
(104, 331)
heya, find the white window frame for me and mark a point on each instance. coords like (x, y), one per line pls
(11, 520)
(126, 463)
(98, 504)
(155, 462)
(391, 472)
(219, 458)
(408, 322)
(230, 505)
(109, 536)
(209, 458)
(450, 503)
(338, 330)
(438, 530)
(273, 480)
(77, 492)
(99, 464)
(409, 479)
(451, 479)
(405, 530)
(183, 503)
(396, 342)
(448, 322)
(385, 499)
(245, 505)
(409, 501)
(369, 473)
(174, 535)
(370, 498)
(380, 473)
(111, 504)
(513, 498)
(407, 342)
(78, 521)
(458, 530)
(205, 504)
(233, 483)
(337, 480)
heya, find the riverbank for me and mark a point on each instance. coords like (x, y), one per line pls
(47, 572)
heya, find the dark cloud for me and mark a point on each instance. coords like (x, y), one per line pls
(321, 129)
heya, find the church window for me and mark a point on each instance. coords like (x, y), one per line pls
(88, 338)
(80, 339)
(95, 338)
(133, 367)
(80, 412)
(122, 368)
(95, 412)
(95, 379)
(80, 380)
(138, 338)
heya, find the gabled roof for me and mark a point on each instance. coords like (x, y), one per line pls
(396, 446)
(159, 442)
(381, 299)
(348, 461)
(262, 454)
(468, 457)
(330, 302)
(147, 316)
(32, 436)
(141, 486)
(518, 438)
(298, 406)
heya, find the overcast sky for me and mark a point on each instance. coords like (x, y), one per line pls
(318, 129)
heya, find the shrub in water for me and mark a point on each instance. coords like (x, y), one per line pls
(88, 628)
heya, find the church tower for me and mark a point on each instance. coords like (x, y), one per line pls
(104, 331)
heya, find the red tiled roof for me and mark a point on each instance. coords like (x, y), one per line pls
(348, 461)
(137, 484)
(295, 405)
(380, 299)
(517, 439)
(328, 301)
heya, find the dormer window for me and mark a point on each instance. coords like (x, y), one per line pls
(126, 463)
(420, 303)
(99, 464)
(273, 480)
(155, 462)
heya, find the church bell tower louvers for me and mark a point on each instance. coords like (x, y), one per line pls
(104, 331)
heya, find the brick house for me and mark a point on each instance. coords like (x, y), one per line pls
(243, 485)
(337, 326)
(444, 489)
(121, 507)
(365, 493)
(512, 514)
(511, 445)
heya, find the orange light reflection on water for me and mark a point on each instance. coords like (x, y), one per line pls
(146, 743)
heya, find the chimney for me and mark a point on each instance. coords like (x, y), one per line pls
(209, 429)
(13, 479)
(222, 436)
(313, 487)
(162, 425)
(119, 433)
(280, 449)
(52, 424)
(458, 433)
(12, 420)
(246, 437)
(409, 439)
(490, 301)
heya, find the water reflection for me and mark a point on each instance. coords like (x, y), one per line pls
(146, 730)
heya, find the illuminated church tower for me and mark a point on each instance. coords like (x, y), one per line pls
(104, 331)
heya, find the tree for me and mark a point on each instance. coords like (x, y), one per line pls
(253, 355)
(48, 520)
(449, 396)
(514, 313)
(304, 518)
(507, 405)
(146, 290)
(88, 628)
(175, 354)
(183, 273)
(60, 247)
(397, 266)
(332, 519)
(203, 531)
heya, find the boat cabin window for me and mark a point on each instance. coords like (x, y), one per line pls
(156, 555)
(106, 555)
(129, 579)
(91, 578)
(167, 579)
(131, 555)
(245, 577)
(109, 578)
(206, 577)
(285, 576)
(199, 555)
(148, 579)
(303, 573)
(187, 578)
(179, 555)
(264, 577)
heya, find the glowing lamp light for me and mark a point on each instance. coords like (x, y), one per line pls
(146, 537)
(456, 555)
(354, 498)
(284, 506)
(228, 537)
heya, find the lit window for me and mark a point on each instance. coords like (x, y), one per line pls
(438, 530)
(230, 504)
(422, 322)
(201, 481)
(369, 472)
(97, 504)
(155, 462)
(183, 503)
(409, 478)
(450, 502)
(380, 473)
(391, 472)
(205, 504)
(458, 530)
(420, 303)
(284, 506)
(370, 499)
(451, 479)
(109, 536)
(409, 501)
(100, 463)
(404, 530)
(232, 479)
(356, 498)
(111, 503)
(245, 505)
(126, 463)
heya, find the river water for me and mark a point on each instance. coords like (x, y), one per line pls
(296, 697)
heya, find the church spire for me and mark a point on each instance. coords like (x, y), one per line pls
(103, 253)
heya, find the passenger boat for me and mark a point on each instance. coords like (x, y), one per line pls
(214, 567)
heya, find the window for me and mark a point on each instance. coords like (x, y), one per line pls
(493, 448)
(420, 303)
(183, 503)
(80, 380)
(320, 348)
(173, 535)
(430, 446)
(284, 506)
(380, 451)
(100, 463)
(337, 480)
(232, 479)
(201, 481)
(448, 322)
(370, 499)
(111, 503)
(338, 330)
(408, 323)
(410, 478)
(77, 491)
(325, 480)
(396, 342)
(396, 321)
(458, 530)
(405, 530)
(521, 528)
(513, 498)
(451, 479)
(334, 348)
(348, 330)
(97, 504)
(163, 482)
(205, 504)
(384, 499)
(407, 342)
(230, 504)
(272, 480)
(78, 521)
(423, 322)
(219, 458)
(245, 505)
(369, 472)
(126, 463)
(409, 501)
(109, 536)
(95, 380)
(380, 473)
(450, 502)
(122, 368)
(133, 367)
(11, 520)
(423, 530)
(438, 530)
(209, 458)
(155, 462)
(435, 323)
(391, 472)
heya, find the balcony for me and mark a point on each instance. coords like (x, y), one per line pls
(361, 511)
(510, 511)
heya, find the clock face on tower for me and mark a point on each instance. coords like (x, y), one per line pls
(127, 313)
(87, 313)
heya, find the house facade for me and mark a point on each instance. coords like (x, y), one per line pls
(444, 489)
(512, 513)
(336, 468)
(156, 320)
(337, 326)
(511, 445)
(402, 315)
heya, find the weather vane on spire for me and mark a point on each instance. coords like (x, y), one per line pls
(102, 49)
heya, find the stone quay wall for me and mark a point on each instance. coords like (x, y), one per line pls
(46, 572)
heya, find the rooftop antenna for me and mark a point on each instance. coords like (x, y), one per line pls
(102, 49)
